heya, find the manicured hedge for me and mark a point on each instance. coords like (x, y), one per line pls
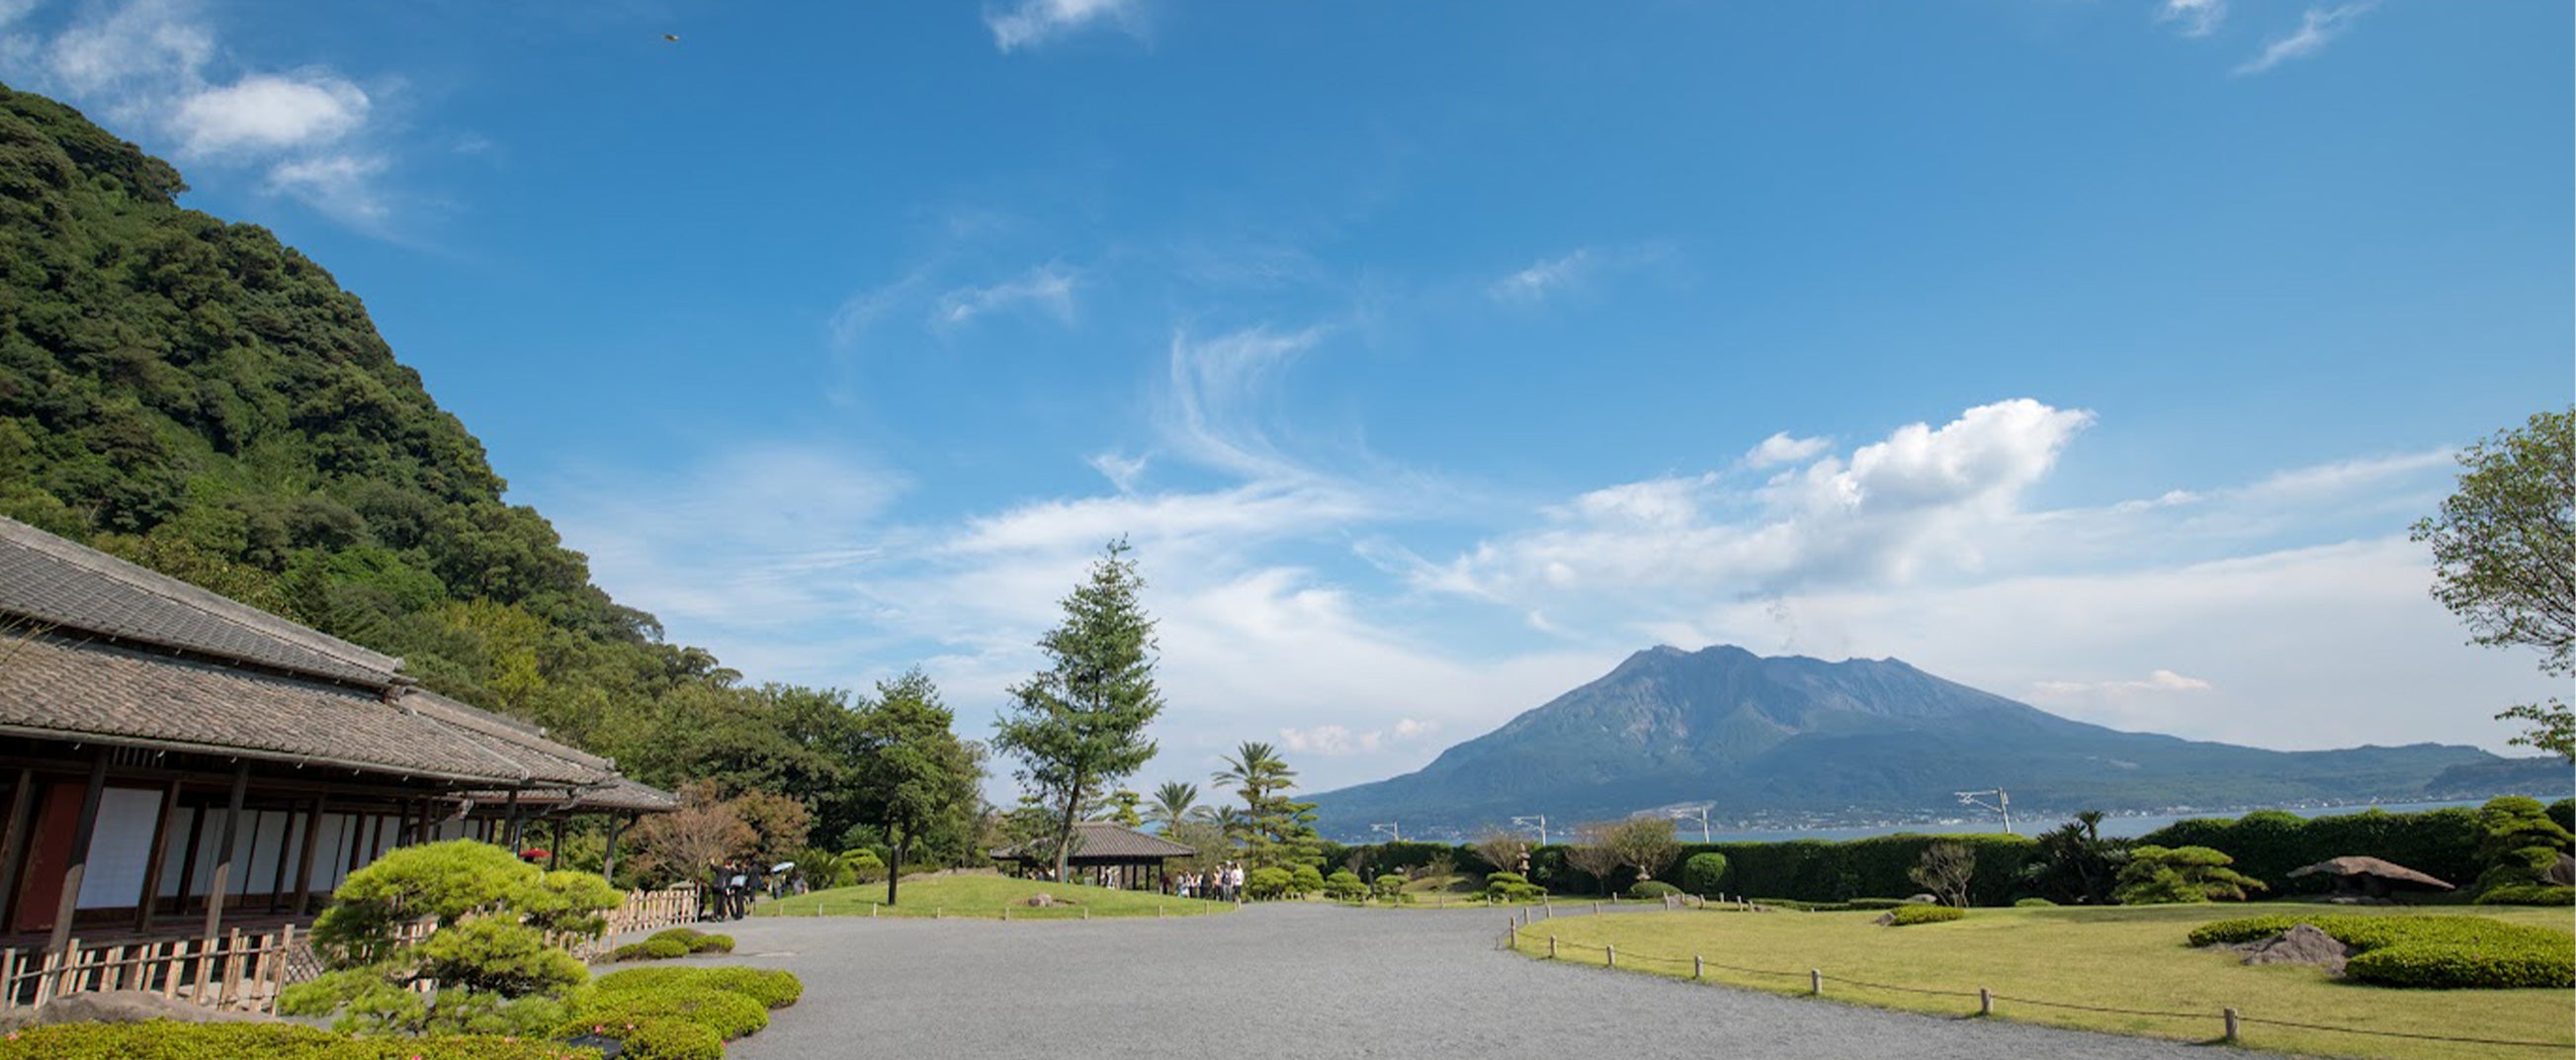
(652, 949)
(728, 1014)
(164, 1040)
(668, 1040)
(1704, 873)
(1815, 870)
(1652, 890)
(2445, 952)
(770, 987)
(696, 941)
(2267, 844)
(1907, 915)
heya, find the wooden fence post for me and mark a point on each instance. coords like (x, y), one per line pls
(1815, 981)
(2230, 1015)
(1609, 956)
(1698, 968)
(1985, 1002)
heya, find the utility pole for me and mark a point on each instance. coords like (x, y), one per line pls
(2001, 805)
(1536, 820)
(1394, 833)
(1693, 813)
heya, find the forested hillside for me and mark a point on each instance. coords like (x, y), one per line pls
(192, 395)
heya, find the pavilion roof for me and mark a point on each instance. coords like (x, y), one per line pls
(2361, 866)
(1111, 841)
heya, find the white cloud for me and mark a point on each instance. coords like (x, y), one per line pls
(2160, 681)
(1781, 448)
(269, 112)
(2318, 27)
(153, 66)
(1535, 283)
(1220, 398)
(2196, 18)
(1121, 471)
(1047, 288)
(1030, 23)
(1919, 500)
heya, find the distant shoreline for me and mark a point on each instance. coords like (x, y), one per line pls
(2115, 825)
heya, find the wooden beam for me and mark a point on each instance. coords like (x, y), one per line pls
(554, 852)
(13, 847)
(221, 890)
(608, 865)
(304, 863)
(83, 831)
(188, 860)
(277, 880)
(160, 855)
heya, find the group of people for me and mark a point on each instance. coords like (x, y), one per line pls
(727, 895)
(1224, 883)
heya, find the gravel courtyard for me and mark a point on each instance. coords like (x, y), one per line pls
(1312, 982)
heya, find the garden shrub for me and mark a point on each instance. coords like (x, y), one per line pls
(2034, 903)
(1919, 913)
(771, 987)
(2451, 952)
(166, 1040)
(1510, 887)
(2267, 844)
(648, 978)
(685, 936)
(1652, 890)
(655, 949)
(1345, 886)
(729, 1014)
(1704, 873)
(1879, 903)
(1389, 885)
(1267, 882)
(2158, 876)
(1305, 880)
(667, 1040)
(712, 944)
(1824, 871)
(498, 955)
(2529, 894)
(2521, 843)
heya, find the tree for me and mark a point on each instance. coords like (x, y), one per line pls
(915, 774)
(1595, 853)
(703, 833)
(2076, 866)
(2504, 554)
(1079, 725)
(2158, 875)
(1945, 870)
(1174, 802)
(1502, 850)
(1645, 843)
(1273, 829)
(1122, 809)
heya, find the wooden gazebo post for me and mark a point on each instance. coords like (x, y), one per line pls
(216, 894)
(83, 830)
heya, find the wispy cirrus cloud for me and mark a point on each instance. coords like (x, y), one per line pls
(1046, 289)
(310, 133)
(2318, 27)
(1030, 23)
(2193, 18)
(1544, 278)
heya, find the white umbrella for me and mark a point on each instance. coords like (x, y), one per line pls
(782, 866)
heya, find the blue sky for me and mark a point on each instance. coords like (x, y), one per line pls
(1437, 356)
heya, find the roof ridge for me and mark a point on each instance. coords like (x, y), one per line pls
(206, 602)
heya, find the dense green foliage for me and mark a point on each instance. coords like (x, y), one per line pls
(2504, 553)
(729, 1014)
(1923, 913)
(1876, 867)
(2163, 875)
(2267, 844)
(656, 949)
(1652, 890)
(1271, 828)
(915, 775)
(2446, 952)
(1704, 873)
(164, 1040)
(2521, 844)
(694, 940)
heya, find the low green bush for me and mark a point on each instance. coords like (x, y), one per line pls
(1652, 890)
(1805, 907)
(667, 1040)
(730, 1015)
(1305, 880)
(1510, 887)
(2444, 952)
(1389, 885)
(2034, 903)
(1267, 882)
(1704, 873)
(165, 1040)
(1879, 903)
(652, 949)
(649, 978)
(712, 944)
(1907, 915)
(2529, 894)
(1345, 886)
(686, 936)
(771, 987)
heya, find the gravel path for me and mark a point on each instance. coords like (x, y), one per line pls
(1308, 982)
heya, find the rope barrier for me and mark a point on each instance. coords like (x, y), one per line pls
(1987, 999)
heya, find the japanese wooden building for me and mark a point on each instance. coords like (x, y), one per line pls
(173, 758)
(1108, 854)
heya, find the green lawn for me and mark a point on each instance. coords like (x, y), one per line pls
(985, 897)
(2130, 958)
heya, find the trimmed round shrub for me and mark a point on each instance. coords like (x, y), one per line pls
(1389, 885)
(1305, 880)
(2439, 952)
(712, 944)
(686, 936)
(668, 1040)
(654, 949)
(2528, 894)
(651, 978)
(2034, 903)
(1652, 890)
(1880, 903)
(729, 1014)
(1345, 886)
(165, 1040)
(771, 987)
(1906, 916)
(1704, 873)
(2440, 967)
(1510, 887)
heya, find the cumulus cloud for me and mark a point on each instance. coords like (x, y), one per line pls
(1918, 500)
(154, 65)
(2193, 18)
(1030, 23)
(2160, 681)
(1781, 448)
(2318, 27)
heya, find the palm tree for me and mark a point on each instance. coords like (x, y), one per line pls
(1256, 770)
(1174, 803)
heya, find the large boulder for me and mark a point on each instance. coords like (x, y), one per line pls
(135, 1006)
(2302, 944)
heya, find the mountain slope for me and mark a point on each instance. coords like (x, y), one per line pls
(1800, 735)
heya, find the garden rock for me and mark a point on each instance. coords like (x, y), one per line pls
(1041, 900)
(136, 1006)
(2302, 944)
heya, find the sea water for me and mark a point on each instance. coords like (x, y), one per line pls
(2113, 826)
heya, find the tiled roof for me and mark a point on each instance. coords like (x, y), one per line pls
(1108, 840)
(618, 794)
(57, 687)
(55, 583)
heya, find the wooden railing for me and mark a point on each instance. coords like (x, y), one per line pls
(234, 971)
(246, 972)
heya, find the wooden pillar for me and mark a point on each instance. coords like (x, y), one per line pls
(358, 822)
(13, 846)
(143, 908)
(554, 851)
(510, 837)
(188, 860)
(221, 891)
(84, 830)
(608, 865)
(304, 862)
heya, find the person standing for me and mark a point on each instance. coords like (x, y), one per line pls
(1234, 881)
